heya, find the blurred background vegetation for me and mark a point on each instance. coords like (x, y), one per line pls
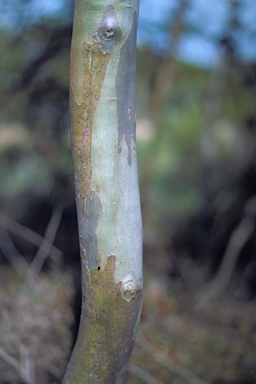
(196, 139)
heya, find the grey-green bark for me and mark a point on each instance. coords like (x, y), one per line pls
(108, 207)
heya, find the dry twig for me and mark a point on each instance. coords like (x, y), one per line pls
(47, 242)
(237, 241)
(27, 234)
(10, 361)
(27, 366)
(25, 369)
(11, 253)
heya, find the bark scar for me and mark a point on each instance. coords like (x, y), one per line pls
(109, 32)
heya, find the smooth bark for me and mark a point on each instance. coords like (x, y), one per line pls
(108, 206)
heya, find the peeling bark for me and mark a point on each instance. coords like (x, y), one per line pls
(102, 105)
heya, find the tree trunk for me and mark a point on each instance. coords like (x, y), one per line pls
(105, 166)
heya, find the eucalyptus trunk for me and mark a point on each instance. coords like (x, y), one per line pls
(102, 105)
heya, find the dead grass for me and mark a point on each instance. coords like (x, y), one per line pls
(35, 324)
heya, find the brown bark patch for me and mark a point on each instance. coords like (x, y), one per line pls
(95, 65)
(106, 333)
